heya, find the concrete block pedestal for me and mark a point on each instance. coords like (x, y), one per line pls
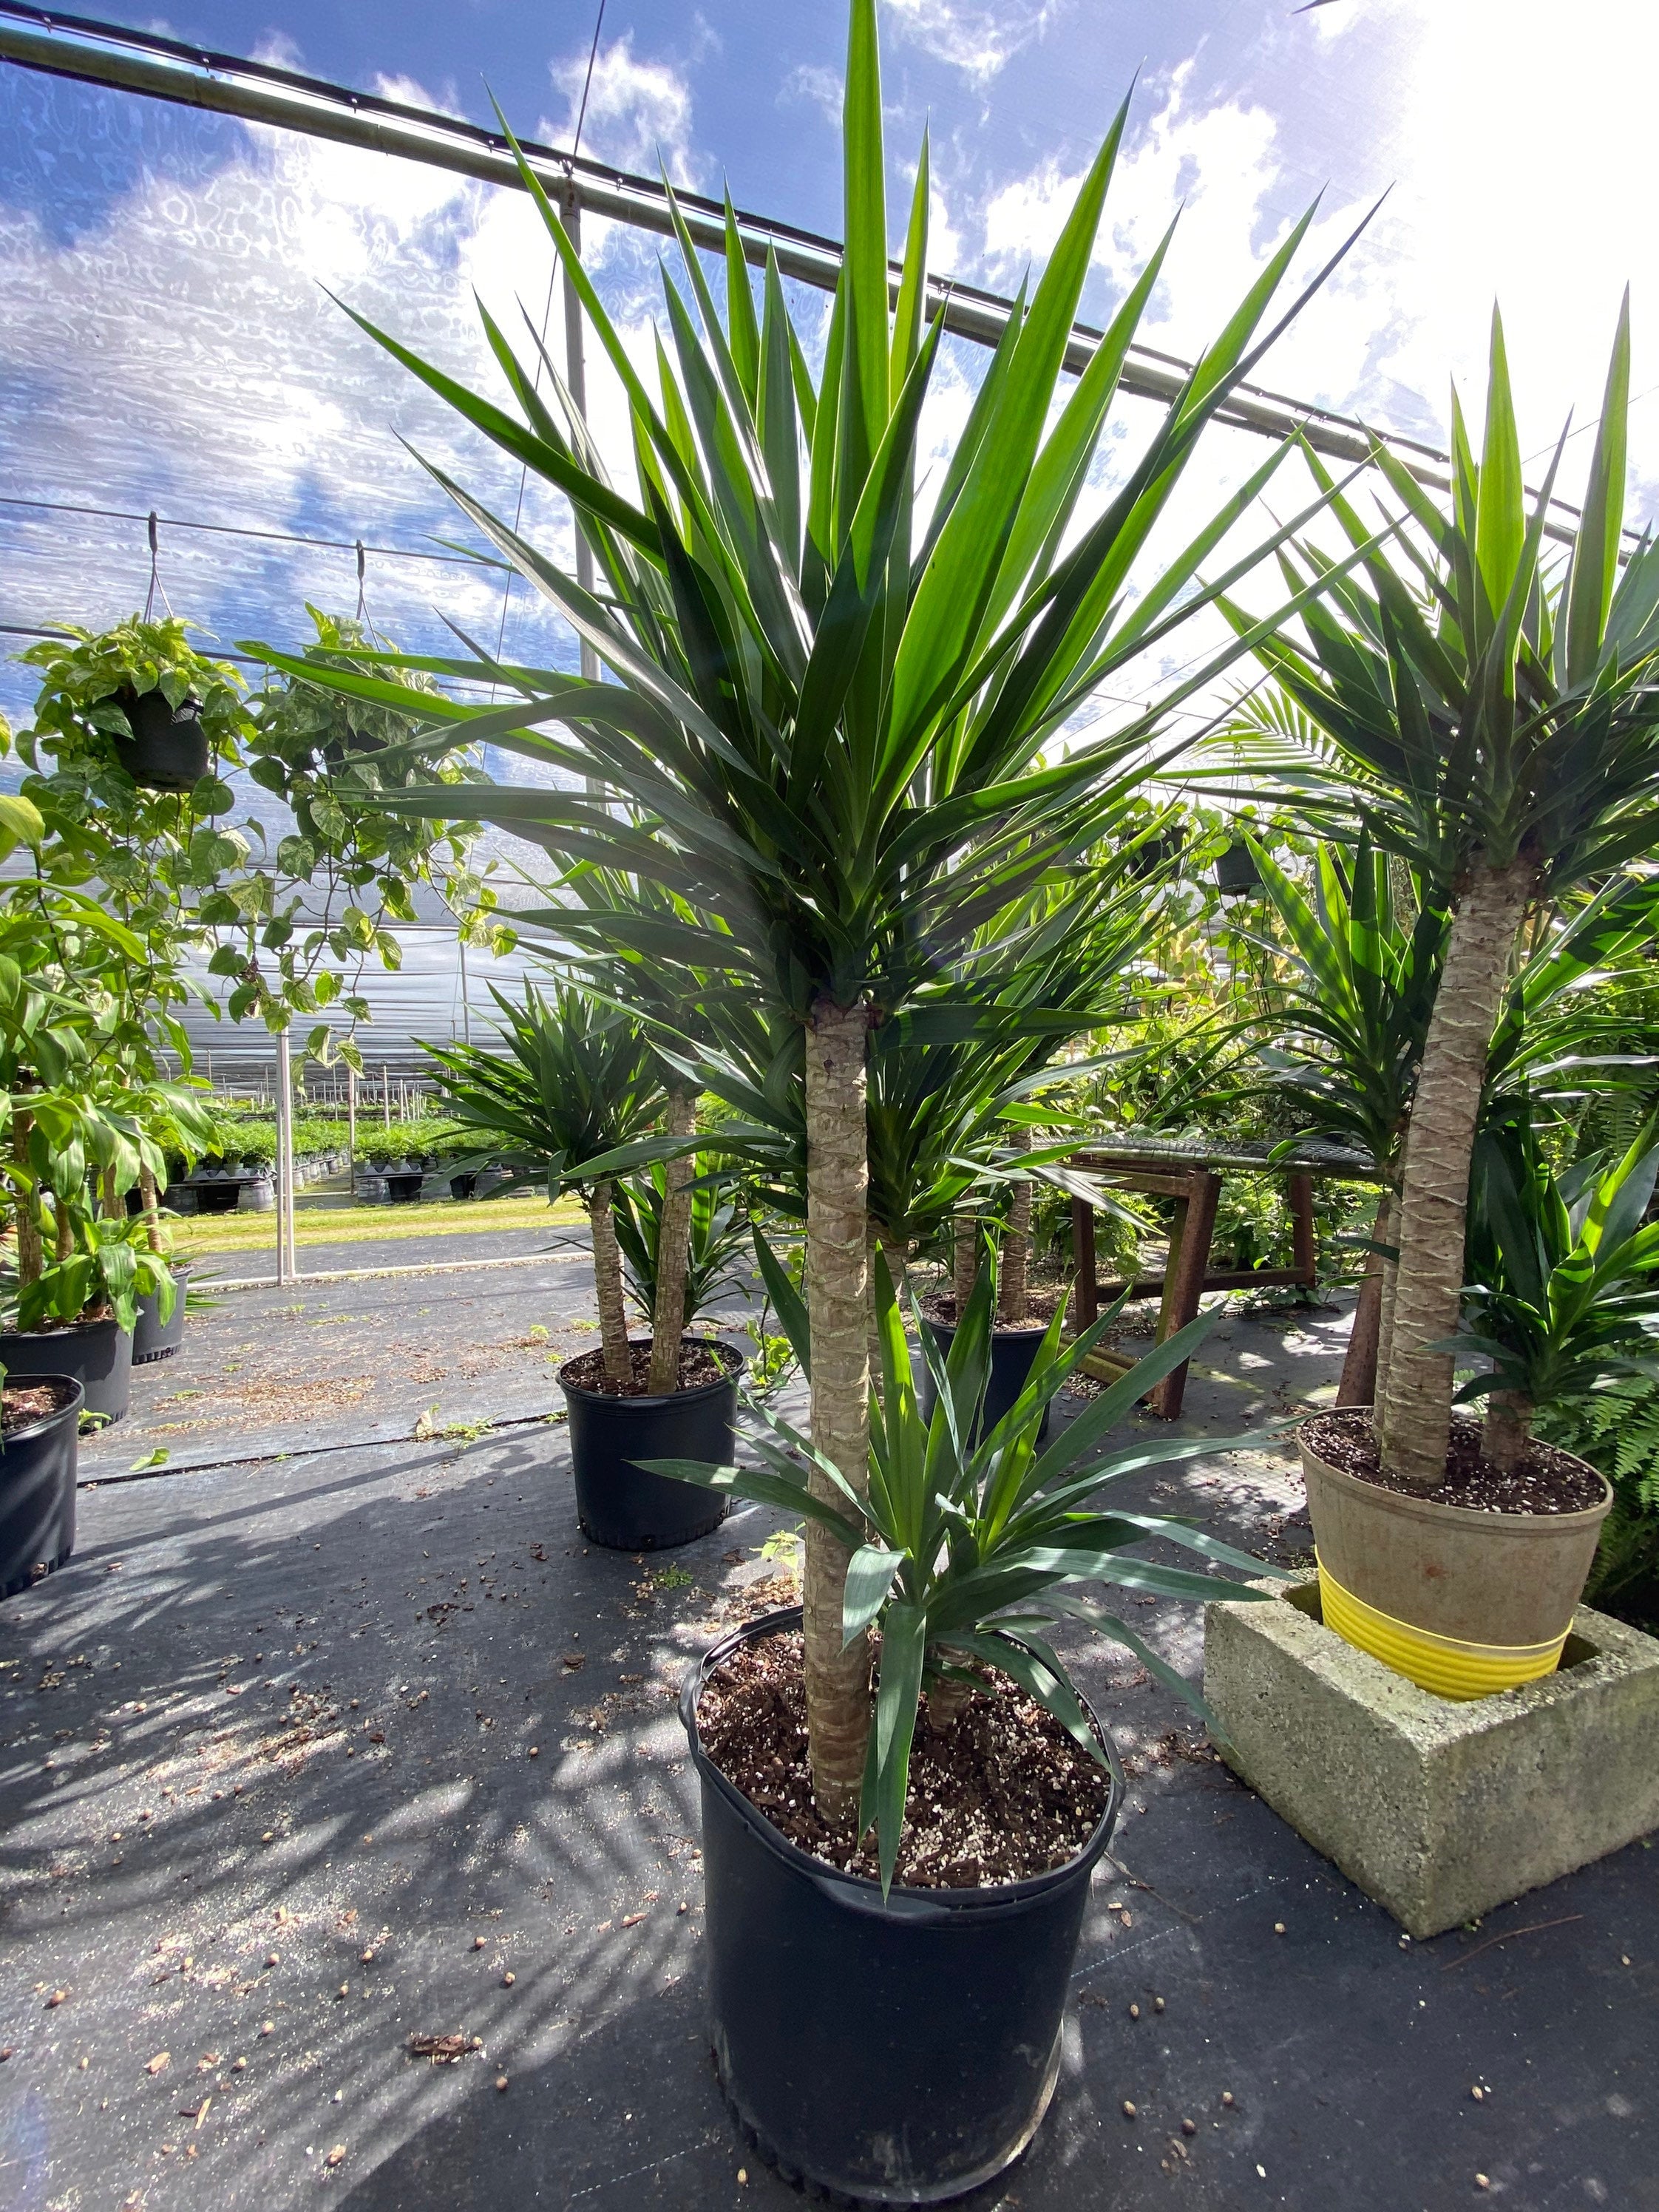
(1439, 1810)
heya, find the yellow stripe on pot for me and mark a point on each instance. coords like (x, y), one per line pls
(1446, 1665)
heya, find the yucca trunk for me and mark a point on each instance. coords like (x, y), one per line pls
(31, 1251)
(608, 1287)
(966, 1261)
(837, 1303)
(1361, 1370)
(1013, 1304)
(1508, 1428)
(148, 1192)
(673, 1240)
(1415, 1409)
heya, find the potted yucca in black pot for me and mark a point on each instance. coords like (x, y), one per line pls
(935, 1932)
(825, 731)
(576, 1084)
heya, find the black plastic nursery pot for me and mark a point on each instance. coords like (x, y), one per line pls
(463, 1186)
(1013, 1351)
(405, 1189)
(895, 2052)
(97, 1354)
(619, 1504)
(152, 1337)
(37, 1460)
(168, 748)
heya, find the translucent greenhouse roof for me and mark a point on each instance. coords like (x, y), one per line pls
(169, 341)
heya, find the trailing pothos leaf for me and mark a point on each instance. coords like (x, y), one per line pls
(968, 1553)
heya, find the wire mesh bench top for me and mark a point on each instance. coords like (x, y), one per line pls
(1306, 1156)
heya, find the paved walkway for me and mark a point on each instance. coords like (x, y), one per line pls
(301, 1757)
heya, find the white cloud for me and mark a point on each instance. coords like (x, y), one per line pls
(638, 113)
(980, 41)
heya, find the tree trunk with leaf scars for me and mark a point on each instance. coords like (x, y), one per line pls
(608, 1288)
(1362, 1368)
(1014, 1284)
(1415, 1408)
(31, 1252)
(668, 1309)
(837, 1301)
(1507, 1430)
(965, 1257)
(148, 1192)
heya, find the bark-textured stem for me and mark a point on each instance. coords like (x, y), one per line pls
(966, 1260)
(31, 1252)
(1416, 1407)
(115, 1204)
(837, 1304)
(1508, 1428)
(674, 1243)
(146, 1191)
(65, 1227)
(608, 1287)
(946, 1700)
(1390, 1283)
(1013, 1308)
(1359, 1369)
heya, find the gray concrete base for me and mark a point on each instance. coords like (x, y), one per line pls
(1439, 1810)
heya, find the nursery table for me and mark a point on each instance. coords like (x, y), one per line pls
(1189, 1169)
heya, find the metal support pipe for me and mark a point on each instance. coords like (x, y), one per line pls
(288, 1264)
(576, 377)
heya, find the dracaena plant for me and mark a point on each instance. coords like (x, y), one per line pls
(1492, 713)
(1564, 1296)
(968, 1552)
(573, 1081)
(832, 720)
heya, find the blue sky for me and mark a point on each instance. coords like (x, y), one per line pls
(164, 340)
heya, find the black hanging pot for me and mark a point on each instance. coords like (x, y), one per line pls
(1013, 1351)
(1236, 873)
(98, 1354)
(1158, 854)
(897, 2052)
(168, 748)
(619, 1504)
(153, 1338)
(38, 1459)
(405, 1189)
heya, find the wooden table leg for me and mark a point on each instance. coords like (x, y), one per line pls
(1183, 1281)
(1304, 1249)
(1085, 1292)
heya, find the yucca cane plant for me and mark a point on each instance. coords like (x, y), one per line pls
(967, 1552)
(1492, 715)
(574, 1081)
(1564, 1295)
(833, 717)
(1361, 988)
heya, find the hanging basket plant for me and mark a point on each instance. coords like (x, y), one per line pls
(169, 749)
(1235, 871)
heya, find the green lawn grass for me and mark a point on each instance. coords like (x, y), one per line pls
(197, 1236)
